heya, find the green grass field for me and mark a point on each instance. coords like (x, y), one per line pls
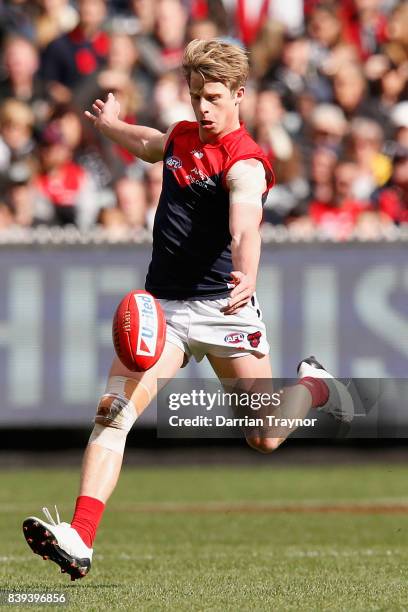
(225, 539)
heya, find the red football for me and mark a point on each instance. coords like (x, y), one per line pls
(139, 330)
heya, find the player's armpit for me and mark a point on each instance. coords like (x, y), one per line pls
(155, 146)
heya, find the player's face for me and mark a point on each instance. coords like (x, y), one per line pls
(216, 108)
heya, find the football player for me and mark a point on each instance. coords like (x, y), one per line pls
(206, 249)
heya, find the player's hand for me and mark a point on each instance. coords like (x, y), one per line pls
(104, 113)
(241, 294)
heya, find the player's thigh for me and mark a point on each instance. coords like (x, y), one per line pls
(246, 367)
(155, 378)
(255, 376)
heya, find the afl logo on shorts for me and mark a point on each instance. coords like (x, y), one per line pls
(173, 163)
(234, 338)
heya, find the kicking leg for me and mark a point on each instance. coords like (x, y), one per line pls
(127, 396)
(255, 376)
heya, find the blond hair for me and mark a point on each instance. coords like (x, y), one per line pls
(15, 111)
(216, 61)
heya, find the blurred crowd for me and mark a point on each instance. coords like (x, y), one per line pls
(326, 100)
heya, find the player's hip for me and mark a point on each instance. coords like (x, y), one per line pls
(203, 328)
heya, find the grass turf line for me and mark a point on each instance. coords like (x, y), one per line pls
(221, 561)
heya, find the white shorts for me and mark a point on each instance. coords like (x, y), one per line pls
(199, 328)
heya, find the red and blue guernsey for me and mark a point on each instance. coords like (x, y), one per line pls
(191, 257)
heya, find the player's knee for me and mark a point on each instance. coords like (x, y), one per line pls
(117, 412)
(264, 445)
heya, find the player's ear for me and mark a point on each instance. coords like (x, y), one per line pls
(239, 94)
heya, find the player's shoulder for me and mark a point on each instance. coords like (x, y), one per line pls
(183, 127)
(180, 128)
(250, 166)
(240, 144)
(240, 147)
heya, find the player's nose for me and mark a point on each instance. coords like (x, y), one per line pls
(203, 107)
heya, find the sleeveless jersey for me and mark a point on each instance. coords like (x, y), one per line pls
(191, 258)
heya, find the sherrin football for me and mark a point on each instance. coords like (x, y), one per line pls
(139, 330)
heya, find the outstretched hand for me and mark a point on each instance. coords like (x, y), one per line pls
(104, 113)
(241, 294)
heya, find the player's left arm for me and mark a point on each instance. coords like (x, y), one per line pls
(246, 182)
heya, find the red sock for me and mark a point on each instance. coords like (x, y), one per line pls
(318, 390)
(87, 515)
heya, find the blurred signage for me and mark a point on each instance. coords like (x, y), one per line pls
(346, 304)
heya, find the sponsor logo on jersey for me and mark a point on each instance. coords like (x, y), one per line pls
(148, 325)
(254, 338)
(200, 178)
(234, 338)
(197, 153)
(173, 163)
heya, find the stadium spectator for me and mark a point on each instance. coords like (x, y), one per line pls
(55, 18)
(374, 168)
(392, 200)
(89, 152)
(132, 201)
(21, 63)
(24, 209)
(203, 29)
(266, 51)
(294, 74)
(16, 17)
(389, 85)
(323, 163)
(325, 30)
(338, 216)
(65, 190)
(21, 201)
(144, 11)
(396, 47)
(329, 127)
(162, 50)
(114, 223)
(246, 19)
(330, 49)
(122, 65)
(276, 141)
(366, 26)
(16, 136)
(351, 92)
(71, 58)
(330, 90)
(399, 118)
(170, 103)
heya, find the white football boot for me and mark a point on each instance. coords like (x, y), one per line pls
(58, 542)
(340, 404)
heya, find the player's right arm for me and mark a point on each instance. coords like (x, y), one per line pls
(144, 142)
